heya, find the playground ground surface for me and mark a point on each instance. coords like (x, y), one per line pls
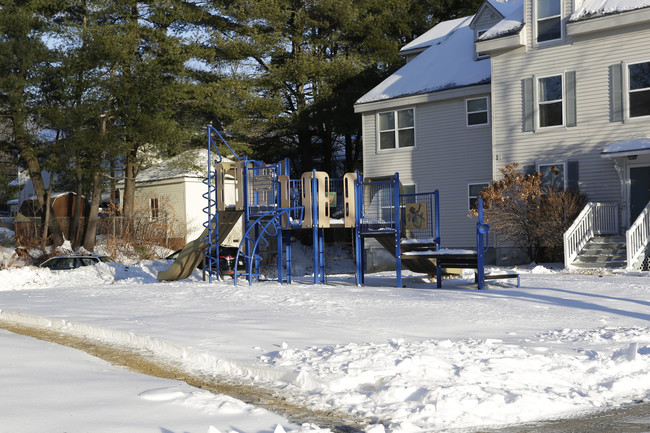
(416, 358)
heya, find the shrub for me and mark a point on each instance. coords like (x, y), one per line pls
(528, 215)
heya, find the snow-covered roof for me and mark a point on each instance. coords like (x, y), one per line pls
(192, 163)
(448, 63)
(597, 8)
(436, 32)
(512, 23)
(625, 147)
(506, 7)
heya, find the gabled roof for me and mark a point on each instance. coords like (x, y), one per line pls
(448, 63)
(586, 9)
(503, 7)
(597, 8)
(510, 24)
(192, 163)
(427, 39)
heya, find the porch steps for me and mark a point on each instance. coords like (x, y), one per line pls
(603, 252)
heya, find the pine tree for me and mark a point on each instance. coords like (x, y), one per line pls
(307, 62)
(23, 54)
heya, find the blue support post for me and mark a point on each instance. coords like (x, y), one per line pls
(482, 242)
(359, 244)
(321, 254)
(398, 228)
(436, 199)
(287, 244)
(314, 224)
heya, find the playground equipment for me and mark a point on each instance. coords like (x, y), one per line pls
(271, 206)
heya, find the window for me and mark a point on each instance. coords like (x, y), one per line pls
(549, 20)
(154, 207)
(553, 176)
(549, 97)
(639, 89)
(480, 56)
(396, 129)
(473, 191)
(477, 111)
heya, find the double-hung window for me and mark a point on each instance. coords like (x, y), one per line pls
(396, 129)
(553, 176)
(477, 111)
(548, 14)
(639, 89)
(550, 100)
(155, 210)
(473, 193)
(479, 55)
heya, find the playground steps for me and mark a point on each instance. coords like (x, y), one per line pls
(418, 264)
(603, 252)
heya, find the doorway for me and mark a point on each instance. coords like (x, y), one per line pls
(639, 191)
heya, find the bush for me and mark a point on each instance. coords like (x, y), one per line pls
(528, 215)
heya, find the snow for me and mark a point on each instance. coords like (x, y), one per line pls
(192, 163)
(434, 34)
(631, 145)
(596, 8)
(416, 358)
(448, 63)
(512, 23)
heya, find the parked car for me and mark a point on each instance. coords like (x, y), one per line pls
(227, 257)
(73, 261)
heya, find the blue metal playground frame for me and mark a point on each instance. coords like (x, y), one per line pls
(379, 210)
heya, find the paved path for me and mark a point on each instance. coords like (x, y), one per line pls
(630, 419)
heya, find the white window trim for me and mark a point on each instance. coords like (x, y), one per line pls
(535, 20)
(398, 148)
(477, 55)
(564, 170)
(467, 113)
(154, 208)
(537, 102)
(626, 93)
(469, 197)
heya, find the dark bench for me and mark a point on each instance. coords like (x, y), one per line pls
(463, 259)
(499, 276)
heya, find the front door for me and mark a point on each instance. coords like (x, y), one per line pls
(639, 190)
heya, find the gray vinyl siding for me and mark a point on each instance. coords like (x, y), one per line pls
(591, 57)
(447, 156)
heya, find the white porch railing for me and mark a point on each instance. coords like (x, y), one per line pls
(595, 219)
(637, 237)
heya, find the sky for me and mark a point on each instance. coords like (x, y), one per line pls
(408, 359)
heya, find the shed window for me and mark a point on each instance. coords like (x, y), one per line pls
(396, 129)
(154, 208)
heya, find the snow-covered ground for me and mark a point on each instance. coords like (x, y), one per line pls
(411, 359)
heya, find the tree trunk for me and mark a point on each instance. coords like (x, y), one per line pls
(48, 214)
(131, 170)
(75, 227)
(93, 218)
(34, 169)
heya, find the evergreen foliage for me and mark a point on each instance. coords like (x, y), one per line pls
(87, 86)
